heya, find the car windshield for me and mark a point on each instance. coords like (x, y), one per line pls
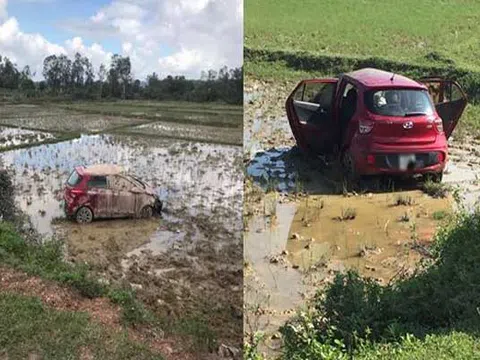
(74, 179)
(399, 102)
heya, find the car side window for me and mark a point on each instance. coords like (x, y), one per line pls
(298, 96)
(319, 93)
(97, 182)
(120, 183)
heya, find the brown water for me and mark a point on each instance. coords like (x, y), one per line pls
(378, 242)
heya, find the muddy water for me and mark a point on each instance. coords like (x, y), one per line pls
(197, 178)
(379, 240)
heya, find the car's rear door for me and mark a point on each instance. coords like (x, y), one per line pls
(310, 114)
(100, 196)
(123, 200)
(449, 99)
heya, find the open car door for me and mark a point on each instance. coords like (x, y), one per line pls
(449, 99)
(310, 114)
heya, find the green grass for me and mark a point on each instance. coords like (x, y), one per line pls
(29, 328)
(409, 31)
(417, 317)
(46, 261)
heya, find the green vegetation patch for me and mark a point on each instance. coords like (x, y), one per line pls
(421, 32)
(28, 329)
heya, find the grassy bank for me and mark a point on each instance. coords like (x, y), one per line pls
(28, 329)
(433, 314)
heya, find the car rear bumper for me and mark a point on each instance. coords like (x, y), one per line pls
(372, 158)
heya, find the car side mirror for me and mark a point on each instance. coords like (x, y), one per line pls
(136, 190)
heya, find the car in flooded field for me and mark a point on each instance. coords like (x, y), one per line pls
(107, 191)
(376, 122)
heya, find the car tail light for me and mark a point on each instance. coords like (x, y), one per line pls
(439, 125)
(441, 157)
(365, 127)
(76, 192)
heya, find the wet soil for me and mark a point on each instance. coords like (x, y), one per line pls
(315, 228)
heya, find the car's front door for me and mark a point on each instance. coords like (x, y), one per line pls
(310, 114)
(100, 196)
(449, 99)
(123, 201)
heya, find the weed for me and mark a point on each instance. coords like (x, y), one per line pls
(405, 217)
(250, 346)
(347, 214)
(440, 215)
(404, 200)
(435, 190)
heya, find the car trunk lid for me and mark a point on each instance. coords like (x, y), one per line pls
(409, 130)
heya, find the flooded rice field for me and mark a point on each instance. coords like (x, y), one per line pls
(303, 227)
(183, 131)
(60, 120)
(179, 262)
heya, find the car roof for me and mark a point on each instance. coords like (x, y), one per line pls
(100, 170)
(375, 78)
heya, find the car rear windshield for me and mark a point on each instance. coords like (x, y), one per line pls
(74, 179)
(399, 102)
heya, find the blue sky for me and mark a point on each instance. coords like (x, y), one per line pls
(170, 37)
(54, 13)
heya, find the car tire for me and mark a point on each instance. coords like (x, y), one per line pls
(350, 175)
(84, 215)
(146, 212)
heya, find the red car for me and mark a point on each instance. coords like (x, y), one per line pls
(106, 191)
(376, 122)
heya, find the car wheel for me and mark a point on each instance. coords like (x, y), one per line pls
(84, 215)
(350, 175)
(146, 212)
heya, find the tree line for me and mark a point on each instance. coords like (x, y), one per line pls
(77, 79)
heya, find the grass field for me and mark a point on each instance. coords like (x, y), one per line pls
(410, 31)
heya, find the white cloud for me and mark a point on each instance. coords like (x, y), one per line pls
(200, 35)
